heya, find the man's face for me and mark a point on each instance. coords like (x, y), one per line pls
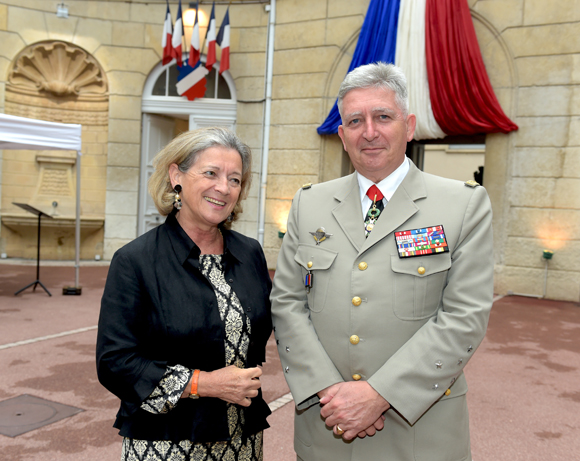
(374, 131)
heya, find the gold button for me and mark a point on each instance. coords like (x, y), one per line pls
(354, 339)
(421, 270)
(356, 377)
(356, 301)
(309, 264)
(448, 391)
(363, 266)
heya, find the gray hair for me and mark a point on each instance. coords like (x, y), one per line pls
(377, 75)
(184, 151)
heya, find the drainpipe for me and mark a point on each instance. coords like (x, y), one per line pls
(267, 112)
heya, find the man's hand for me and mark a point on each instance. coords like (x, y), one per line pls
(329, 392)
(355, 406)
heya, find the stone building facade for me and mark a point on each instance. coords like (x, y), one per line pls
(531, 50)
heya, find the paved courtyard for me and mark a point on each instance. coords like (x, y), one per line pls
(524, 380)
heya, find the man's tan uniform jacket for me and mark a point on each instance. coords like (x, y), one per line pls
(418, 320)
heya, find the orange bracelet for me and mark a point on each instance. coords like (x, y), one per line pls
(193, 393)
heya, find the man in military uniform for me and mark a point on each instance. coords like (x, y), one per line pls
(382, 292)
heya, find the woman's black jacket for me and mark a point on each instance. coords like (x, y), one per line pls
(159, 310)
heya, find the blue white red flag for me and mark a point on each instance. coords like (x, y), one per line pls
(194, 47)
(434, 42)
(210, 40)
(191, 81)
(177, 38)
(223, 40)
(166, 39)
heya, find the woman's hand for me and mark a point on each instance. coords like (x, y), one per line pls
(232, 384)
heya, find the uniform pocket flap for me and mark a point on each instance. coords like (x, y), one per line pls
(421, 266)
(314, 258)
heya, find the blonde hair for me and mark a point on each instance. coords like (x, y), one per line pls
(183, 151)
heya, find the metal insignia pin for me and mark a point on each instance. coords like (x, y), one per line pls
(320, 235)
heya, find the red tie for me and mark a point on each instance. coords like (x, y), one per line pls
(374, 191)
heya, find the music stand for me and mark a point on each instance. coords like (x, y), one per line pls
(40, 214)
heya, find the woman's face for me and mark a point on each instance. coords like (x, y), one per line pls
(210, 188)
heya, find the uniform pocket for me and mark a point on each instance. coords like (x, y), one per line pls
(418, 285)
(318, 261)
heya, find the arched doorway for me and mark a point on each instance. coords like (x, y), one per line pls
(166, 114)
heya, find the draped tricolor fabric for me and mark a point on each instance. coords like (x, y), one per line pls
(434, 42)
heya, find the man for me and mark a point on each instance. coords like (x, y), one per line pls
(377, 312)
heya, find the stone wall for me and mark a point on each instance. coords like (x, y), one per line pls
(531, 49)
(534, 173)
(312, 53)
(248, 41)
(125, 39)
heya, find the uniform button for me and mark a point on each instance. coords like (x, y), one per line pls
(363, 266)
(356, 301)
(448, 391)
(421, 270)
(354, 339)
(309, 264)
(356, 377)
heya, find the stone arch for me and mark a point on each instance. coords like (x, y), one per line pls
(334, 160)
(502, 72)
(56, 81)
(49, 76)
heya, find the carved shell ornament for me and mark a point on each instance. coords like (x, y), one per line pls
(59, 68)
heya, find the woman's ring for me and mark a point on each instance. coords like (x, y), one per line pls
(339, 431)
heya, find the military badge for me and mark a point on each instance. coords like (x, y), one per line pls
(320, 235)
(421, 242)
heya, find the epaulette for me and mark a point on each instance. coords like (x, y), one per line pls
(471, 183)
(307, 186)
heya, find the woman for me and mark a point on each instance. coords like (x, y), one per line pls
(185, 315)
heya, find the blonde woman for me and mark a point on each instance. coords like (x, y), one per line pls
(185, 315)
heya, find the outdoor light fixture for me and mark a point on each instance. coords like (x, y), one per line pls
(189, 16)
(547, 254)
(61, 11)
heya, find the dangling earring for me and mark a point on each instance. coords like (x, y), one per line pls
(177, 200)
(230, 218)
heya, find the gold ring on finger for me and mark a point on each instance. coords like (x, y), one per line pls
(339, 431)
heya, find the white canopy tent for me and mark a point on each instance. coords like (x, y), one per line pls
(26, 133)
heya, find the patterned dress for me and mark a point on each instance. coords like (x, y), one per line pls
(169, 390)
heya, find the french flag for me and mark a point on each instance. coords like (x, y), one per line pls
(223, 40)
(434, 42)
(191, 82)
(166, 39)
(210, 40)
(194, 51)
(177, 38)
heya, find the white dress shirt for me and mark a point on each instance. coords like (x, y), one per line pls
(387, 186)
